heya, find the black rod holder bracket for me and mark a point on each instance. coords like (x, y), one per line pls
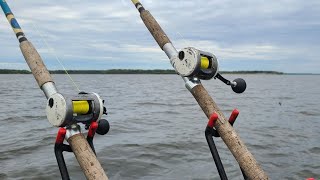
(60, 147)
(211, 132)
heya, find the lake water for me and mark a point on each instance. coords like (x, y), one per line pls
(157, 128)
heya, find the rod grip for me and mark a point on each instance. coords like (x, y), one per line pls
(87, 160)
(155, 29)
(35, 63)
(239, 150)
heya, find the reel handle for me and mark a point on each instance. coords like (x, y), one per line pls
(238, 85)
(103, 127)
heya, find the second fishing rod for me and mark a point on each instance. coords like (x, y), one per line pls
(194, 65)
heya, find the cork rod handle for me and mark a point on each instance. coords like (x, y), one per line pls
(35, 63)
(87, 160)
(155, 29)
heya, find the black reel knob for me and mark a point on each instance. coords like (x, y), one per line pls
(240, 87)
(181, 55)
(103, 127)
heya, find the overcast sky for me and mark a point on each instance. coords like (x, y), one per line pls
(282, 35)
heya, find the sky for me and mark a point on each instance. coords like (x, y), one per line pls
(282, 35)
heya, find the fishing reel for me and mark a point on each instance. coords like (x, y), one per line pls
(193, 63)
(83, 108)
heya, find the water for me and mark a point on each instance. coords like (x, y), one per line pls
(157, 128)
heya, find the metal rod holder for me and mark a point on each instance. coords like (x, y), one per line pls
(210, 132)
(60, 147)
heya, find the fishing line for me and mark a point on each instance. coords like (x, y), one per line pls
(55, 55)
(185, 41)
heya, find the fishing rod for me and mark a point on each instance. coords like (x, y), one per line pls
(194, 65)
(66, 111)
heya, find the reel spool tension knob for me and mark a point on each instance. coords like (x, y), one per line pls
(181, 55)
(240, 86)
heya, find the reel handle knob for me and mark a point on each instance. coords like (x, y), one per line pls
(240, 86)
(103, 127)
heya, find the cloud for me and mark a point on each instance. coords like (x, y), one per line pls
(275, 35)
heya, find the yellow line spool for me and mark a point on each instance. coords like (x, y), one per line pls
(80, 107)
(204, 62)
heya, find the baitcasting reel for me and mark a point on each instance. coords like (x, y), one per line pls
(86, 108)
(193, 63)
(82, 108)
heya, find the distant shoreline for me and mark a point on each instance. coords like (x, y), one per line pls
(140, 71)
(127, 71)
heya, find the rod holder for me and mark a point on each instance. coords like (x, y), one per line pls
(60, 147)
(211, 132)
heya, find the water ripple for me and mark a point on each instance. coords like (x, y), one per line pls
(157, 132)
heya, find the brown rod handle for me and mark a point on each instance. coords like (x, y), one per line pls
(35, 63)
(86, 158)
(158, 34)
(239, 150)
